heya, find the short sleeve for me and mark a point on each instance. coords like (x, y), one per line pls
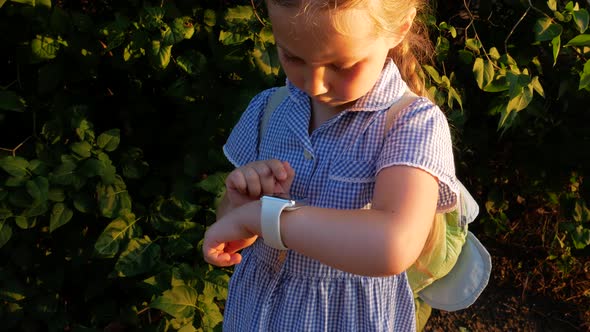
(242, 144)
(420, 137)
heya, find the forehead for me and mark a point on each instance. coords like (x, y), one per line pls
(325, 31)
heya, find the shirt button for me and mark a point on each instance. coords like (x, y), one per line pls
(307, 155)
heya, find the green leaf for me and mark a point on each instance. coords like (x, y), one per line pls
(192, 62)
(153, 17)
(465, 56)
(266, 35)
(24, 222)
(38, 167)
(239, 14)
(552, 4)
(56, 194)
(109, 140)
(82, 149)
(211, 315)
(234, 38)
(442, 48)
(494, 54)
(132, 165)
(60, 215)
(537, 86)
(5, 212)
(181, 28)
(581, 212)
(265, 60)
(214, 183)
(81, 125)
(160, 54)
(115, 32)
(546, 30)
(14, 181)
(473, 44)
(585, 77)
(216, 283)
(556, 47)
(5, 232)
(579, 40)
(135, 49)
(140, 256)
(15, 166)
(209, 18)
(581, 237)
(37, 208)
(484, 72)
(34, 3)
(581, 19)
(63, 174)
(433, 73)
(38, 188)
(113, 198)
(454, 95)
(520, 97)
(45, 47)
(108, 243)
(179, 302)
(10, 101)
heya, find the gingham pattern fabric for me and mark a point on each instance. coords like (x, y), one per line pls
(335, 167)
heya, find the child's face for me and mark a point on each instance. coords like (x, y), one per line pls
(333, 68)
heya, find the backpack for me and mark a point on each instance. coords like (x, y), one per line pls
(457, 270)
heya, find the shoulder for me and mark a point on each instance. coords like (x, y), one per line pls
(420, 137)
(242, 144)
(420, 110)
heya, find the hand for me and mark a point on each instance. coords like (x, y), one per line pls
(249, 182)
(235, 231)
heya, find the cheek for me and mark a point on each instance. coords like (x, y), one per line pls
(354, 84)
(293, 73)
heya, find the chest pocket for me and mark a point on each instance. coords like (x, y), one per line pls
(350, 183)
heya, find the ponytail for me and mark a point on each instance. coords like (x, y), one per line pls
(414, 50)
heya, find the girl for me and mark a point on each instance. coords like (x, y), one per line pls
(372, 188)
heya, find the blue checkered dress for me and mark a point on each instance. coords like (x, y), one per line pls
(335, 167)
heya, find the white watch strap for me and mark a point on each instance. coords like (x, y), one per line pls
(270, 220)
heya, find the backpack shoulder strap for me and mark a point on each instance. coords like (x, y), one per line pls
(407, 98)
(273, 102)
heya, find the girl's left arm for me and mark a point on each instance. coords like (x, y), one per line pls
(381, 241)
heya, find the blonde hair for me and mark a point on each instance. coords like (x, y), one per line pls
(387, 15)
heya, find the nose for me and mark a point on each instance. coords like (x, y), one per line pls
(315, 81)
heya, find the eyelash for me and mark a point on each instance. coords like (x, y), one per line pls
(292, 59)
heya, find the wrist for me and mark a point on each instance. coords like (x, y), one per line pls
(251, 224)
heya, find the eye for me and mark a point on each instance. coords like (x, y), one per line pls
(342, 67)
(292, 59)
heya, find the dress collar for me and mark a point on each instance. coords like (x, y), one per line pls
(388, 89)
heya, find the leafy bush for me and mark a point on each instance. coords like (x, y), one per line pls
(113, 116)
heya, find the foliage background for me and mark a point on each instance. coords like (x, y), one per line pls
(113, 114)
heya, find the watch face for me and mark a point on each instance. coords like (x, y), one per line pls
(282, 198)
(292, 204)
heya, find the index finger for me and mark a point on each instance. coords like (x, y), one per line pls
(278, 169)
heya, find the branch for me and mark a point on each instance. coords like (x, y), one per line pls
(13, 150)
(514, 28)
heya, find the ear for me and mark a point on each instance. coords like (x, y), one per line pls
(404, 28)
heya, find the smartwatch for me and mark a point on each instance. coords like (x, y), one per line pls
(270, 217)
